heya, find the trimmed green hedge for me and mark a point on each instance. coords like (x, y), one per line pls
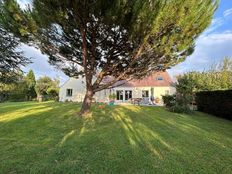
(217, 103)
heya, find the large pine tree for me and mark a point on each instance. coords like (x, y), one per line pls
(11, 59)
(120, 38)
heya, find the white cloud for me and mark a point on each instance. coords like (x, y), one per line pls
(216, 23)
(40, 64)
(209, 49)
(23, 3)
(227, 12)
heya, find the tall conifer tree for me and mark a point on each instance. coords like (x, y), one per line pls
(31, 82)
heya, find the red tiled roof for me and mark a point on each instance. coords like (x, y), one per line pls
(151, 81)
(148, 81)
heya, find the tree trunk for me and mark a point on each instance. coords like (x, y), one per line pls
(40, 98)
(85, 108)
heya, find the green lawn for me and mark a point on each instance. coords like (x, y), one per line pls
(50, 138)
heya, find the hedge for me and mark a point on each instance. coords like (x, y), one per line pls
(218, 103)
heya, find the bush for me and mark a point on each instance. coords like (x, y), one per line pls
(17, 97)
(180, 102)
(112, 96)
(169, 100)
(175, 104)
(218, 103)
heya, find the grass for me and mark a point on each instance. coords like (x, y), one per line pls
(50, 138)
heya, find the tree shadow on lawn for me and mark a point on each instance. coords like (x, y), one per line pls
(174, 139)
(61, 142)
(115, 140)
(35, 136)
(195, 140)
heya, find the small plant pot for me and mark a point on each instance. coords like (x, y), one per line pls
(101, 106)
(157, 100)
(111, 103)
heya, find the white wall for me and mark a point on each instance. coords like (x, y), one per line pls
(78, 87)
(137, 91)
(103, 96)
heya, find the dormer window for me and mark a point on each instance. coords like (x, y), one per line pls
(159, 78)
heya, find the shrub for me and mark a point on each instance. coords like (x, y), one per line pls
(16, 97)
(175, 104)
(53, 93)
(112, 96)
(180, 102)
(169, 100)
(218, 103)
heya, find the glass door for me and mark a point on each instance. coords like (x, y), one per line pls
(128, 95)
(119, 94)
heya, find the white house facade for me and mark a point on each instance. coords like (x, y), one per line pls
(146, 89)
(72, 90)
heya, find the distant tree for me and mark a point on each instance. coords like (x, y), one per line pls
(46, 86)
(42, 85)
(223, 71)
(15, 90)
(53, 93)
(218, 77)
(53, 90)
(123, 39)
(31, 82)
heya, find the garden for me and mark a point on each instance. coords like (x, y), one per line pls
(48, 137)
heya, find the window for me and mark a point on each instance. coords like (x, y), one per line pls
(159, 78)
(128, 95)
(119, 94)
(166, 92)
(69, 92)
(145, 93)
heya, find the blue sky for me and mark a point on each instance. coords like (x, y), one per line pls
(211, 47)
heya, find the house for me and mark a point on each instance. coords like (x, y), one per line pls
(153, 86)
